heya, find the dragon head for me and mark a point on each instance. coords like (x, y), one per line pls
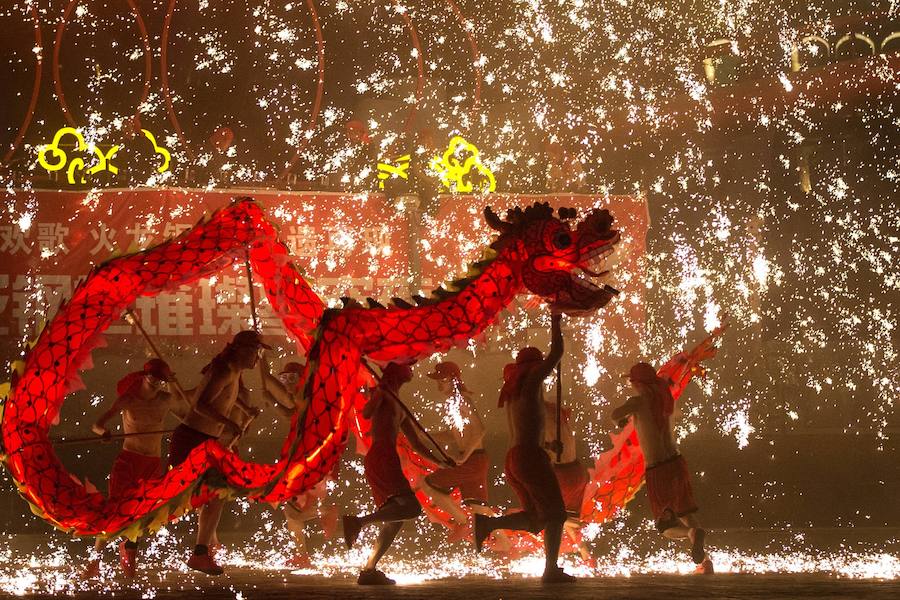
(560, 263)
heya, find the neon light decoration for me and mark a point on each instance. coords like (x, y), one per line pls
(387, 170)
(459, 176)
(535, 251)
(59, 158)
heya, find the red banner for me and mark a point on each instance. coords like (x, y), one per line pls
(353, 245)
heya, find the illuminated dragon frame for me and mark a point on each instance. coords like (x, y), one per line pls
(534, 251)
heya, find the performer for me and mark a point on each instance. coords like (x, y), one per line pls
(570, 472)
(282, 395)
(284, 391)
(287, 396)
(216, 396)
(528, 467)
(144, 400)
(667, 477)
(394, 498)
(463, 443)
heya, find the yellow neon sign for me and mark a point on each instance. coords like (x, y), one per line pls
(387, 170)
(159, 150)
(58, 157)
(458, 176)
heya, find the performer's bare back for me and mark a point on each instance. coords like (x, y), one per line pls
(525, 413)
(385, 415)
(657, 444)
(217, 392)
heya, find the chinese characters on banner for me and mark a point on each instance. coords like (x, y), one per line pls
(347, 245)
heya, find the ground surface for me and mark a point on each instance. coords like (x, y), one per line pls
(251, 584)
(763, 564)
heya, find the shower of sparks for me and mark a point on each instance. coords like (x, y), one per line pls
(807, 281)
(454, 409)
(54, 572)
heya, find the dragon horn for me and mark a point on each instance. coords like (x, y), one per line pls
(495, 222)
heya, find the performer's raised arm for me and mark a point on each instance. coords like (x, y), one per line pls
(546, 366)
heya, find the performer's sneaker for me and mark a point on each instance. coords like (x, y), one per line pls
(482, 530)
(697, 537)
(352, 526)
(205, 564)
(127, 560)
(374, 577)
(557, 575)
(705, 568)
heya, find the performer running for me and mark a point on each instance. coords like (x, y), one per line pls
(394, 498)
(570, 472)
(667, 477)
(243, 415)
(286, 394)
(216, 396)
(528, 467)
(463, 443)
(144, 401)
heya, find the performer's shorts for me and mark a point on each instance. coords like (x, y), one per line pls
(130, 468)
(183, 440)
(470, 477)
(531, 476)
(383, 473)
(573, 477)
(669, 491)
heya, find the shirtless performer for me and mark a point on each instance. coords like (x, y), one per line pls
(394, 498)
(570, 472)
(528, 468)
(143, 400)
(217, 395)
(463, 443)
(667, 477)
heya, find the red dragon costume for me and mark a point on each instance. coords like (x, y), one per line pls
(535, 251)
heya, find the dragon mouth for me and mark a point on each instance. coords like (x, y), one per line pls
(590, 268)
(585, 283)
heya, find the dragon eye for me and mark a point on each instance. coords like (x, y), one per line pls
(562, 240)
